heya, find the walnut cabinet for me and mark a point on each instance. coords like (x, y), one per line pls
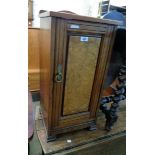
(74, 55)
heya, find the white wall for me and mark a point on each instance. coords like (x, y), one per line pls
(81, 7)
(118, 2)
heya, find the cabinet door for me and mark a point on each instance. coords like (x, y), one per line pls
(82, 54)
(80, 61)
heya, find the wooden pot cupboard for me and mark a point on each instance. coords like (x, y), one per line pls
(74, 53)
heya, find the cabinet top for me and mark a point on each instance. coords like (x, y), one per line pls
(71, 16)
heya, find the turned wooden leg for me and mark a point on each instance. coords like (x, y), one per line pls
(119, 94)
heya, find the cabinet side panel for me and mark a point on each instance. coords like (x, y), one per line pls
(45, 63)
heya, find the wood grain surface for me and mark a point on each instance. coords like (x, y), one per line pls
(83, 70)
(34, 79)
(45, 68)
(81, 65)
(69, 16)
(34, 59)
(33, 48)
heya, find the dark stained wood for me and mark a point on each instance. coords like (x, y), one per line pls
(78, 17)
(59, 58)
(83, 141)
(60, 115)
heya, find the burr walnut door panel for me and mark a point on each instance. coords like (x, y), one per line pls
(80, 70)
